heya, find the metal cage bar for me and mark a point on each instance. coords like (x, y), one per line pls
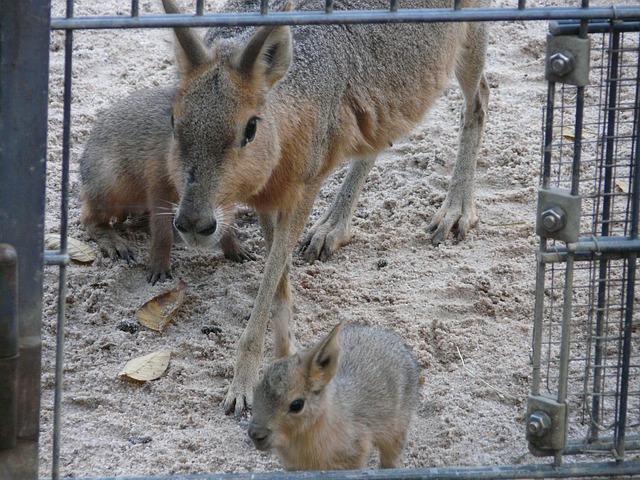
(349, 16)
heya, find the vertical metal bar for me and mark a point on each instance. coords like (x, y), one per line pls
(393, 5)
(537, 326)
(264, 7)
(577, 143)
(548, 135)
(457, 4)
(621, 424)
(200, 7)
(607, 190)
(538, 314)
(135, 8)
(565, 341)
(8, 346)
(328, 6)
(631, 282)
(24, 78)
(522, 4)
(64, 221)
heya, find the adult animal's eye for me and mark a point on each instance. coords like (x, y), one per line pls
(296, 406)
(250, 131)
(172, 122)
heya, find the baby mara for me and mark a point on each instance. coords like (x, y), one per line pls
(125, 171)
(326, 408)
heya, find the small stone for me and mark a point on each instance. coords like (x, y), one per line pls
(207, 330)
(128, 326)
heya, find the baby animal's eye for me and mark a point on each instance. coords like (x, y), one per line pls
(250, 131)
(296, 406)
(172, 121)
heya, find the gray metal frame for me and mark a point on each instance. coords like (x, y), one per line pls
(24, 28)
(585, 353)
(24, 68)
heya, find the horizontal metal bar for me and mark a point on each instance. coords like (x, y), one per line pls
(578, 447)
(571, 27)
(583, 470)
(55, 257)
(586, 249)
(346, 17)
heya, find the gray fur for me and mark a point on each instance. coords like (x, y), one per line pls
(368, 403)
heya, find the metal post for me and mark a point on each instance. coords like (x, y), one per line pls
(24, 71)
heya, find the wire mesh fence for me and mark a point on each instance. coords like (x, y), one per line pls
(589, 340)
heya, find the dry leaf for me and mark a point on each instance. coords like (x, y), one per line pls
(78, 251)
(157, 312)
(569, 133)
(148, 367)
(622, 186)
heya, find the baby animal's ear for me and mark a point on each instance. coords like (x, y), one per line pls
(191, 52)
(268, 53)
(321, 363)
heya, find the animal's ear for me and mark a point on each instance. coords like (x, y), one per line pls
(191, 51)
(267, 53)
(321, 362)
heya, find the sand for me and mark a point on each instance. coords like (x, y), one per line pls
(465, 309)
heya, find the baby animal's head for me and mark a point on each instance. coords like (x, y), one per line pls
(292, 397)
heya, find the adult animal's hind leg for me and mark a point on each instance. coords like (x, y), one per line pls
(459, 210)
(333, 229)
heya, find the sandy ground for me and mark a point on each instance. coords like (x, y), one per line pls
(471, 301)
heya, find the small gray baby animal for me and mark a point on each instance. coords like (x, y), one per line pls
(125, 170)
(326, 408)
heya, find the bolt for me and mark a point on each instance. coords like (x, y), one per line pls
(539, 424)
(553, 219)
(561, 63)
(8, 255)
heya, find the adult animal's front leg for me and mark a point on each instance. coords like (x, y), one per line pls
(287, 228)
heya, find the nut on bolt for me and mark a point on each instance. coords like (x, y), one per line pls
(539, 424)
(553, 219)
(561, 63)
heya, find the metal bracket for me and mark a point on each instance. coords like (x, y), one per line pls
(558, 214)
(568, 60)
(546, 425)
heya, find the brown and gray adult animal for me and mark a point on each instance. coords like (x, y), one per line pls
(263, 117)
(124, 171)
(328, 407)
